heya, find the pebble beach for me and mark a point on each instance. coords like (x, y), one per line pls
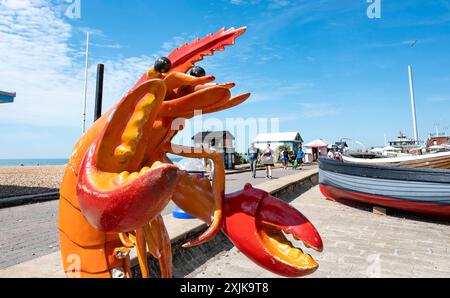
(19, 181)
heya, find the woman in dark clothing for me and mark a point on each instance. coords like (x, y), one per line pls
(285, 158)
(268, 160)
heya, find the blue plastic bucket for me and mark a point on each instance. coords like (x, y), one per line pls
(177, 211)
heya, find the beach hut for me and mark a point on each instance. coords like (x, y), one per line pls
(223, 143)
(7, 97)
(318, 148)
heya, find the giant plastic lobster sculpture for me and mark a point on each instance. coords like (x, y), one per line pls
(119, 180)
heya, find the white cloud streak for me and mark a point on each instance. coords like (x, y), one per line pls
(47, 73)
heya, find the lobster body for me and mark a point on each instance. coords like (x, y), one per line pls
(86, 252)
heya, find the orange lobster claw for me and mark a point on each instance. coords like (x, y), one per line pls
(112, 199)
(126, 207)
(257, 223)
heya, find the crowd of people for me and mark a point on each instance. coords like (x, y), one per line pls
(267, 157)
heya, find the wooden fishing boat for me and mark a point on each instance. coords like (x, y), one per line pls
(433, 161)
(420, 191)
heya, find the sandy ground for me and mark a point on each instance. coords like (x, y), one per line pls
(17, 181)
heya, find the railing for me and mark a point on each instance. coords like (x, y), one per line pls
(438, 135)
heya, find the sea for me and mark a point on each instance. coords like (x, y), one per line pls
(32, 162)
(43, 162)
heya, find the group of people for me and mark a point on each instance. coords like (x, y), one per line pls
(334, 155)
(295, 158)
(267, 158)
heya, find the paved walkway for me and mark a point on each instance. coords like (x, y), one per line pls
(357, 243)
(30, 231)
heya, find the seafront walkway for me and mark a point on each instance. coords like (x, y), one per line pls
(30, 231)
(357, 244)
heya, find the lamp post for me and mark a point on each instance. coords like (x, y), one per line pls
(99, 92)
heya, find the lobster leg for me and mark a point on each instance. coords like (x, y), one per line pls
(153, 238)
(158, 242)
(218, 189)
(141, 250)
(189, 187)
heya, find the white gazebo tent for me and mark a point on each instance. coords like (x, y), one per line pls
(317, 148)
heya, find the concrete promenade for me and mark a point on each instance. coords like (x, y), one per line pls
(357, 243)
(30, 231)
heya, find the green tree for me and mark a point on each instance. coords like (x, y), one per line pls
(240, 159)
(281, 148)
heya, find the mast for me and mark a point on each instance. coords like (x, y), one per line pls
(413, 104)
(83, 130)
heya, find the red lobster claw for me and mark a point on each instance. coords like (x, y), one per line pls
(127, 207)
(256, 223)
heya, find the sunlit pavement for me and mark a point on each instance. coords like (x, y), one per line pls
(357, 243)
(30, 231)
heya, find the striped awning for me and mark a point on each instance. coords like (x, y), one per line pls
(7, 97)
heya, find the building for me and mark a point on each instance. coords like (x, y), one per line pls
(7, 97)
(223, 143)
(438, 139)
(402, 142)
(291, 139)
(316, 149)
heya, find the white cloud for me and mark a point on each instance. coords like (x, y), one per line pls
(278, 89)
(312, 111)
(275, 4)
(120, 76)
(16, 4)
(270, 4)
(36, 63)
(177, 41)
(40, 64)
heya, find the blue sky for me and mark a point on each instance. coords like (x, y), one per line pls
(322, 67)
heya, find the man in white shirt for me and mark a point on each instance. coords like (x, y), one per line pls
(211, 162)
(253, 156)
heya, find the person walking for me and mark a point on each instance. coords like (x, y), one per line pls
(300, 155)
(330, 154)
(253, 155)
(268, 157)
(211, 162)
(285, 158)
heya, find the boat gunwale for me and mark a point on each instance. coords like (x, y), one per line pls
(399, 159)
(386, 172)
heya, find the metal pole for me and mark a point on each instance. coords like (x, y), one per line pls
(413, 103)
(83, 130)
(99, 91)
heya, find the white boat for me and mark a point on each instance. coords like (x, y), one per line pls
(433, 161)
(421, 191)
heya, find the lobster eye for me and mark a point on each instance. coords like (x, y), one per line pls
(162, 65)
(197, 71)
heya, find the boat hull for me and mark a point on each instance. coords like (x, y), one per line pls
(418, 191)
